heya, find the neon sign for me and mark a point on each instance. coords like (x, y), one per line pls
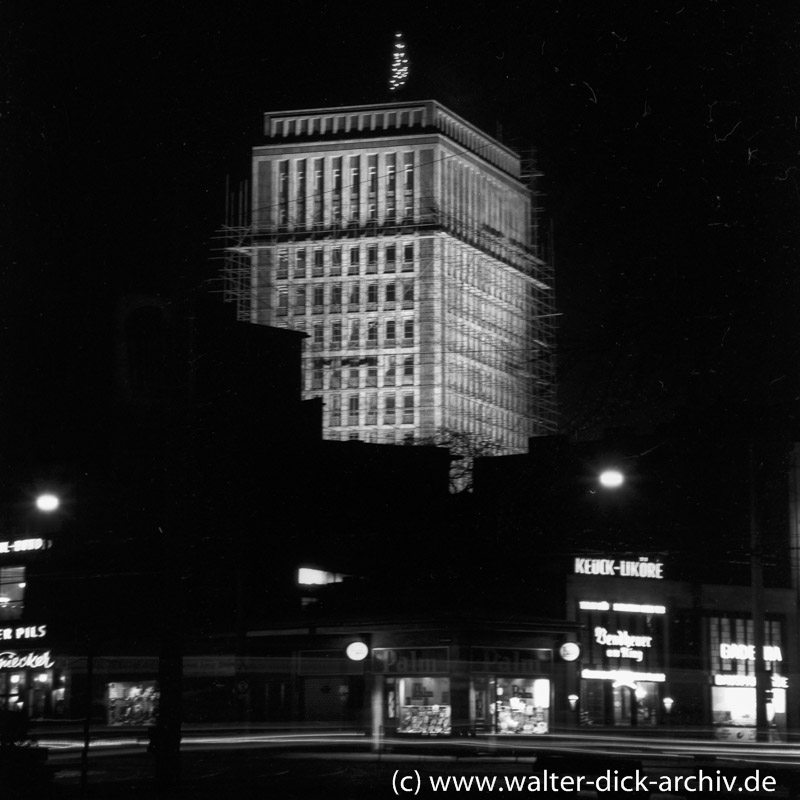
(27, 632)
(619, 568)
(749, 681)
(23, 546)
(747, 652)
(622, 676)
(628, 608)
(622, 644)
(9, 660)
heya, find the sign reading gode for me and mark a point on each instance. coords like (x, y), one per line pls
(619, 568)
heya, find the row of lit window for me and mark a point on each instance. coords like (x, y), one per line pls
(352, 373)
(360, 259)
(370, 409)
(349, 296)
(394, 332)
(309, 175)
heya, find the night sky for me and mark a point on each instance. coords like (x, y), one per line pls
(667, 134)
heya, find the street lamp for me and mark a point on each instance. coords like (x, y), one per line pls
(48, 502)
(611, 478)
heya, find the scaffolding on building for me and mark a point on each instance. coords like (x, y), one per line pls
(532, 360)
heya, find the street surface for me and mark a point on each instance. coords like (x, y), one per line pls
(275, 765)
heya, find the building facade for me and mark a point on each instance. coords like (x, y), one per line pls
(404, 242)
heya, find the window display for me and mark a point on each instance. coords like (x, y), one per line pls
(424, 705)
(522, 705)
(132, 703)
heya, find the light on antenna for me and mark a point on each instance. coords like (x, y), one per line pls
(399, 71)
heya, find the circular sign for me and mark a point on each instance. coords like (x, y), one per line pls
(569, 651)
(357, 651)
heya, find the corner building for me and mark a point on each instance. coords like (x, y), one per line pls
(403, 241)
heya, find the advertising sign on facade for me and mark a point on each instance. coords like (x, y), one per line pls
(619, 568)
(410, 660)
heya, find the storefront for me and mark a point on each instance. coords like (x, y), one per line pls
(732, 665)
(32, 679)
(511, 690)
(621, 607)
(487, 682)
(656, 651)
(415, 685)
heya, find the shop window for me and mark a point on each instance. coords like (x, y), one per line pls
(522, 706)
(422, 706)
(132, 703)
(12, 592)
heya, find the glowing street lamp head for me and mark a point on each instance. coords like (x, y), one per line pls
(611, 478)
(47, 502)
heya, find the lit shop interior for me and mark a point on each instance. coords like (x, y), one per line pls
(733, 692)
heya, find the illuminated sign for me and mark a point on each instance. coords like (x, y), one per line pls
(569, 651)
(27, 632)
(749, 681)
(622, 644)
(357, 651)
(411, 660)
(9, 660)
(747, 652)
(622, 676)
(23, 546)
(619, 568)
(630, 608)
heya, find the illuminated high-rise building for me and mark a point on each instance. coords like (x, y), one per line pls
(404, 242)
